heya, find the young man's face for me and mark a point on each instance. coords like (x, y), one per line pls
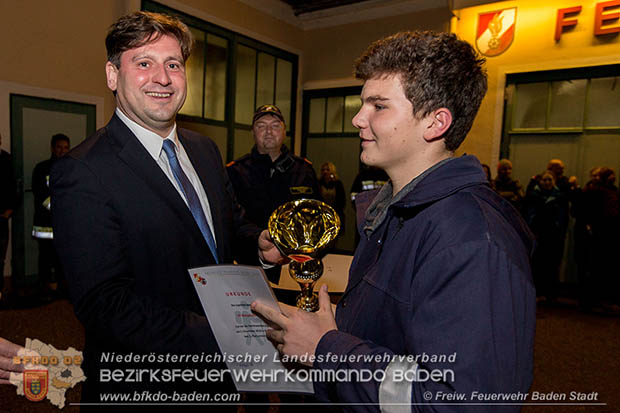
(150, 84)
(391, 136)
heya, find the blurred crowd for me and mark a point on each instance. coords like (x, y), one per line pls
(554, 204)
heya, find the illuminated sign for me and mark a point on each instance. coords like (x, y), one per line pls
(604, 16)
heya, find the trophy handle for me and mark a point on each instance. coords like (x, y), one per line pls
(306, 274)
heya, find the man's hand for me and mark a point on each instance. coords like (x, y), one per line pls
(7, 214)
(267, 250)
(9, 350)
(298, 332)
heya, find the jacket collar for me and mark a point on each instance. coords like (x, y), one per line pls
(264, 157)
(138, 159)
(444, 179)
(151, 141)
(439, 181)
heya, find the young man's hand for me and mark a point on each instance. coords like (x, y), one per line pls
(297, 332)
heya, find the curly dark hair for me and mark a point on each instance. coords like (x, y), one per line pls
(142, 27)
(436, 70)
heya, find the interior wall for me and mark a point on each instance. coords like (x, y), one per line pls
(533, 49)
(243, 19)
(330, 52)
(59, 45)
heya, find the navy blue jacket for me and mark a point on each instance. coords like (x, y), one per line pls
(447, 273)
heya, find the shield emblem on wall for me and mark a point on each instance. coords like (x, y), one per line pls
(35, 384)
(495, 31)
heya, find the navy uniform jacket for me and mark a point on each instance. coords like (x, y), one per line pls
(262, 185)
(447, 272)
(126, 239)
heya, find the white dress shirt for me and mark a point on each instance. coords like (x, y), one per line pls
(153, 143)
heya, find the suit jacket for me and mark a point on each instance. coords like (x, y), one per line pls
(126, 238)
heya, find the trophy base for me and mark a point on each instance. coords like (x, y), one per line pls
(309, 304)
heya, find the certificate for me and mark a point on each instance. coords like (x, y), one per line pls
(226, 292)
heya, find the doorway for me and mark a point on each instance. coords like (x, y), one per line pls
(33, 122)
(572, 115)
(329, 136)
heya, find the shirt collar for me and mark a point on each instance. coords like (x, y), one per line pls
(377, 211)
(151, 141)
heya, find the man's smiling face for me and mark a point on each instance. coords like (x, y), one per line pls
(150, 84)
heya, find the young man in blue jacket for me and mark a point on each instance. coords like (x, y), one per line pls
(440, 304)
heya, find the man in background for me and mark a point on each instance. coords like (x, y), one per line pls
(270, 175)
(508, 188)
(50, 270)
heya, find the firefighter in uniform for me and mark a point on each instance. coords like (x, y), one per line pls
(270, 175)
(50, 274)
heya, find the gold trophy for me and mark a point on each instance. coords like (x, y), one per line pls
(302, 230)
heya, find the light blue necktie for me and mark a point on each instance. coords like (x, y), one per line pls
(192, 197)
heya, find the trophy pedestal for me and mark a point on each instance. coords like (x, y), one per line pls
(306, 274)
(309, 304)
(335, 275)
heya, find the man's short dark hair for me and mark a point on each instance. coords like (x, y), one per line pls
(60, 137)
(436, 70)
(142, 27)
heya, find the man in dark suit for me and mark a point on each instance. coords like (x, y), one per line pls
(137, 204)
(50, 271)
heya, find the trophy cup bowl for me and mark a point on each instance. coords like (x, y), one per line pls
(303, 230)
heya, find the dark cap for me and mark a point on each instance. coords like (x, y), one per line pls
(267, 110)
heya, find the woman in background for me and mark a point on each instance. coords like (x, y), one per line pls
(332, 190)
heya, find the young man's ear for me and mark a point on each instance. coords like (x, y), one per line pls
(111, 74)
(438, 123)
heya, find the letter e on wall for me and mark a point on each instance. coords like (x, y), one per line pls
(601, 17)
